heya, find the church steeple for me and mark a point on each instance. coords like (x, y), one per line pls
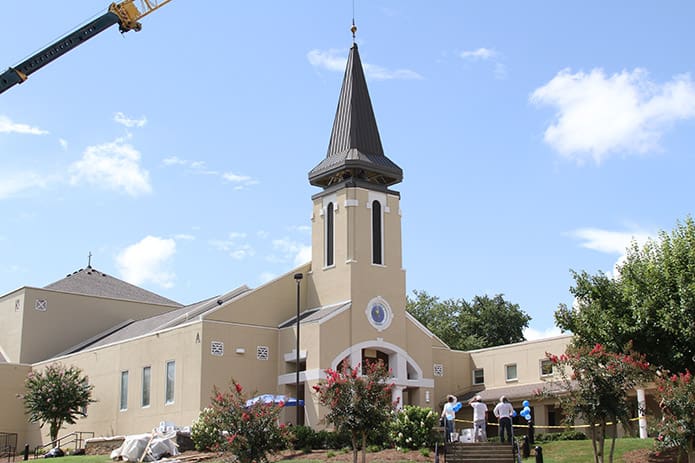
(355, 155)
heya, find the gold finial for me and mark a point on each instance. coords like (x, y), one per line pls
(353, 29)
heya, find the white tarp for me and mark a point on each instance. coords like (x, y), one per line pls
(153, 446)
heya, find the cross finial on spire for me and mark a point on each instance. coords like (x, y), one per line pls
(89, 260)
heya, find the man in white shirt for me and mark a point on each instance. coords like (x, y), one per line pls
(479, 419)
(503, 412)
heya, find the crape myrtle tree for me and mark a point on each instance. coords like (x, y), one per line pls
(677, 402)
(650, 303)
(55, 396)
(251, 433)
(462, 325)
(591, 384)
(357, 402)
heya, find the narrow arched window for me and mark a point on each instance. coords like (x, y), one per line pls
(376, 233)
(329, 235)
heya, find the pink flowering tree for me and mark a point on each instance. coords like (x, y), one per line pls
(677, 402)
(56, 395)
(592, 385)
(357, 402)
(250, 433)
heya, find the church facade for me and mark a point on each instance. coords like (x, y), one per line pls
(151, 359)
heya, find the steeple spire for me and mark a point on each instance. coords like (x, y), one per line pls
(355, 154)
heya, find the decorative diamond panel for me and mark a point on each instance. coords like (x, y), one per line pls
(438, 369)
(262, 352)
(217, 348)
(41, 304)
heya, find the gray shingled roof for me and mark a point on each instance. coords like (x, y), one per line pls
(316, 314)
(91, 282)
(355, 150)
(173, 318)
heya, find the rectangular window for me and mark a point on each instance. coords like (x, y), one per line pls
(478, 376)
(124, 390)
(171, 376)
(546, 368)
(146, 379)
(510, 372)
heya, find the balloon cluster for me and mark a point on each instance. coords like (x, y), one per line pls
(526, 411)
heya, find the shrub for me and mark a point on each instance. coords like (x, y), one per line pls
(412, 426)
(249, 432)
(205, 431)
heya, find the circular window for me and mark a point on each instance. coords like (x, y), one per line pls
(379, 313)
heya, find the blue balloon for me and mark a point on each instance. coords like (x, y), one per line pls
(528, 417)
(526, 409)
(513, 413)
(525, 403)
(457, 406)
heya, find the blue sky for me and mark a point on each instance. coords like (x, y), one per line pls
(535, 138)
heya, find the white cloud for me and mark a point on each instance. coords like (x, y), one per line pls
(611, 242)
(479, 54)
(598, 115)
(233, 247)
(114, 165)
(63, 144)
(13, 183)
(334, 60)
(148, 261)
(240, 181)
(7, 126)
(129, 122)
(291, 251)
(532, 334)
(265, 277)
(607, 241)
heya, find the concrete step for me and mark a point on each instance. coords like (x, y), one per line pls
(458, 452)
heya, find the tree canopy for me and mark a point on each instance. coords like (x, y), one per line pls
(56, 395)
(462, 325)
(649, 303)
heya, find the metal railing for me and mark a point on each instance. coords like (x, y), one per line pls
(77, 438)
(8, 445)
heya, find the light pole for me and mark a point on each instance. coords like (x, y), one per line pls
(297, 278)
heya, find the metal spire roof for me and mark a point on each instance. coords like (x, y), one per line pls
(355, 151)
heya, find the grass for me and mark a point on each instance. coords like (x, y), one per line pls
(581, 451)
(553, 452)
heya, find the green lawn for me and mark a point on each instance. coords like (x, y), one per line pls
(553, 452)
(582, 452)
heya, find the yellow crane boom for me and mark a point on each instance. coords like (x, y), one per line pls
(126, 13)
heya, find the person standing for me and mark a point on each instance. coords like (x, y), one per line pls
(503, 412)
(479, 419)
(448, 414)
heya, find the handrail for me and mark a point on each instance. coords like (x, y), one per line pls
(76, 437)
(8, 445)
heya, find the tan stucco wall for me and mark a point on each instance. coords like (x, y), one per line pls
(526, 355)
(69, 319)
(12, 417)
(11, 333)
(104, 366)
(246, 368)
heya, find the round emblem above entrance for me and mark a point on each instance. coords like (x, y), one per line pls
(379, 313)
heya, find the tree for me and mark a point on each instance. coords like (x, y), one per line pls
(357, 403)
(56, 395)
(484, 322)
(250, 432)
(677, 401)
(650, 303)
(592, 385)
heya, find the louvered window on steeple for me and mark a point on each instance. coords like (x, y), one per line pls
(330, 231)
(376, 233)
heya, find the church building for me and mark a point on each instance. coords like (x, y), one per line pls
(151, 359)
